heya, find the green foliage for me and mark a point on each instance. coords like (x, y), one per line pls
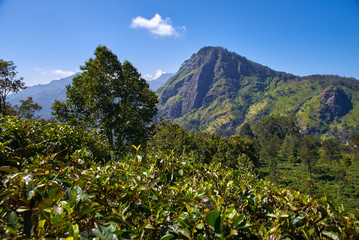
(27, 108)
(162, 196)
(234, 152)
(331, 150)
(246, 131)
(218, 91)
(308, 153)
(8, 83)
(170, 136)
(271, 132)
(22, 141)
(111, 97)
(286, 154)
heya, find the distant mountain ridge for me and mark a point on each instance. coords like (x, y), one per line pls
(157, 83)
(46, 94)
(217, 90)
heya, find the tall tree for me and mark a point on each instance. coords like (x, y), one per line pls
(111, 97)
(270, 133)
(8, 83)
(308, 152)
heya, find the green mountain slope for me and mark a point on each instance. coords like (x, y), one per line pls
(217, 90)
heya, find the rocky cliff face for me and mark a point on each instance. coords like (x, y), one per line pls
(189, 89)
(217, 90)
(335, 103)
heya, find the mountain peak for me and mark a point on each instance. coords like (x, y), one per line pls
(217, 90)
(200, 77)
(209, 49)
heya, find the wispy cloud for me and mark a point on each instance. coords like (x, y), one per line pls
(157, 26)
(57, 73)
(63, 73)
(150, 77)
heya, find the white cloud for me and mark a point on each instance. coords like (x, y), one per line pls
(63, 73)
(156, 25)
(55, 74)
(150, 77)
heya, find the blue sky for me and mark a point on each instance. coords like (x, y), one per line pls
(49, 40)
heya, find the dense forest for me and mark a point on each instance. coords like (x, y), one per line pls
(103, 169)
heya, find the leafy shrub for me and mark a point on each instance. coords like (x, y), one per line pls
(21, 140)
(160, 196)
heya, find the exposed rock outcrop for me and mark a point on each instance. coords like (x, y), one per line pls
(198, 75)
(334, 103)
(217, 90)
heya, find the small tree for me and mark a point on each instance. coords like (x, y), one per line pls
(289, 148)
(331, 150)
(245, 131)
(27, 108)
(8, 83)
(308, 152)
(111, 97)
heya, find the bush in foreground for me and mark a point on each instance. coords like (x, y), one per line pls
(159, 196)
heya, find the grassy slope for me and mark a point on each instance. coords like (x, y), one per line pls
(279, 97)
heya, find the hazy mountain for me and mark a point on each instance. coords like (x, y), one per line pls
(218, 90)
(44, 95)
(157, 83)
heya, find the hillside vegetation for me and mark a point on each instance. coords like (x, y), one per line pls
(61, 182)
(218, 91)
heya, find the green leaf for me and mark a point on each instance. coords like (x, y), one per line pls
(52, 193)
(74, 231)
(9, 169)
(57, 220)
(85, 210)
(299, 221)
(12, 220)
(22, 209)
(200, 225)
(306, 234)
(41, 223)
(244, 224)
(104, 233)
(31, 192)
(75, 194)
(185, 233)
(200, 237)
(331, 235)
(230, 183)
(214, 220)
(239, 219)
(167, 237)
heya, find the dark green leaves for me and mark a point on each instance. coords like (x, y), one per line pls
(104, 233)
(214, 220)
(162, 196)
(12, 220)
(75, 194)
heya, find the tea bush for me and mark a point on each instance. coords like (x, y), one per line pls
(158, 196)
(22, 140)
